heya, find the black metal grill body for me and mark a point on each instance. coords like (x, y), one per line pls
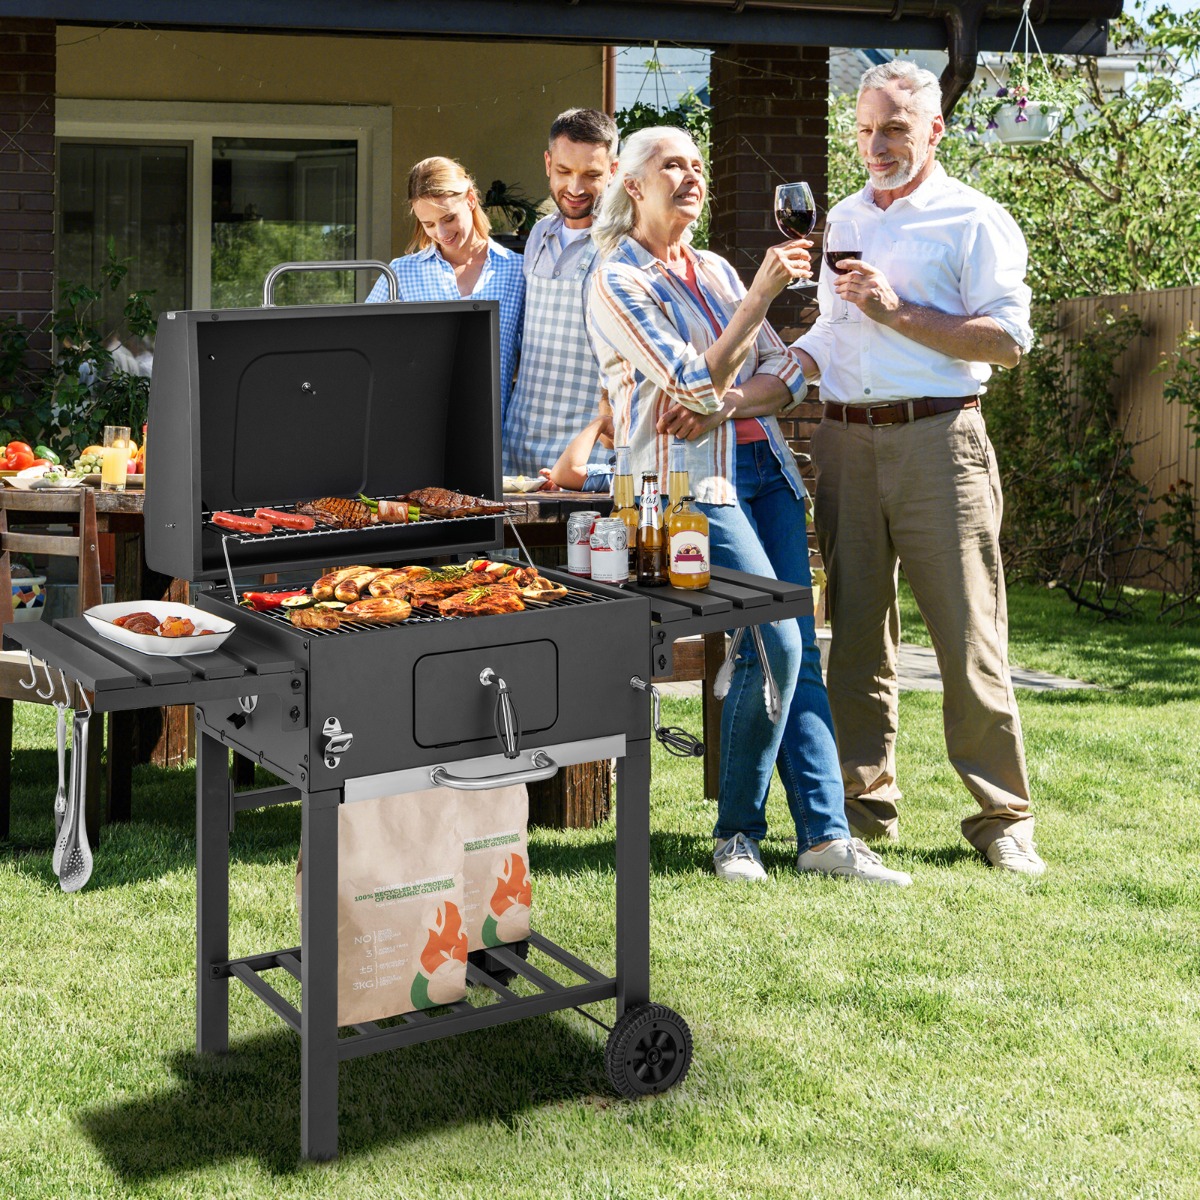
(267, 408)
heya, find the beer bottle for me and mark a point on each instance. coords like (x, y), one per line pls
(687, 538)
(652, 537)
(678, 484)
(625, 505)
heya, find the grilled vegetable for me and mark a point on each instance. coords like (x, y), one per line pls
(286, 520)
(265, 601)
(241, 524)
(304, 600)
(392, 512)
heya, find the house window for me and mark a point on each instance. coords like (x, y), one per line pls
(206, 198)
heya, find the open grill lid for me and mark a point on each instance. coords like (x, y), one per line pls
(270, 407)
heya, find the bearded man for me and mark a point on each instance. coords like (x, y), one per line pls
(905, 471)
(558, 390)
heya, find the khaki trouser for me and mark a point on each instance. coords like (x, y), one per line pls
(925, 494)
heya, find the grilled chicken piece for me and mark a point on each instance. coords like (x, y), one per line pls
(378, 610)
(455, 503)
(393, 581)
(314, 618)
(337, 512)
(350, 587)
(175, 627)
(323, 588)
(541, 588)
(481, 602)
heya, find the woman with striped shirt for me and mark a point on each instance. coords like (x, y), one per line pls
(451, 257)
(686, 352)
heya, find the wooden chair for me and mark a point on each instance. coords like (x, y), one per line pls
(75, 506)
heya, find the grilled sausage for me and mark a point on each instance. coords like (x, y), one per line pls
(238, 524)
(286, 520)
(323, 588)
(350, 587)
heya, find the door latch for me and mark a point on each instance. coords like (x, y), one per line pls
(337, 742)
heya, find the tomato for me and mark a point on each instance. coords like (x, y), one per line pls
(18, 460)
(41, 462)
(12, 447)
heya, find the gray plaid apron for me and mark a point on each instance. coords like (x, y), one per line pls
(558, 381)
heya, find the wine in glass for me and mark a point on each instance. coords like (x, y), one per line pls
(842, 241)
(795, 214)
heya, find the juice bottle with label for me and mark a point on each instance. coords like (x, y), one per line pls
(625, 504)
(687, 534)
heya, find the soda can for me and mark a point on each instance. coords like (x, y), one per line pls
(579, 542)
(610, 551)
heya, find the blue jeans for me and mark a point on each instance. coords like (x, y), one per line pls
(764, 533)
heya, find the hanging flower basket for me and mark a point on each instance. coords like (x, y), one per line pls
(1029, 124)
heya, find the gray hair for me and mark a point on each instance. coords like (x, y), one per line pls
(587, 125)
(616, 215)
(924, 85)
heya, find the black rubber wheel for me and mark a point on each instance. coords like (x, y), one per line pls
(504, 975)
(648, 1051)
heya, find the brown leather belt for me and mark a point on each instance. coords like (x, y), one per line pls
(897, 412)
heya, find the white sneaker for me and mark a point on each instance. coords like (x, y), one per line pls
(849, 858)
(738, 858)
(1010, 852)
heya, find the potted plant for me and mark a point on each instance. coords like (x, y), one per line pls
(1029, 104)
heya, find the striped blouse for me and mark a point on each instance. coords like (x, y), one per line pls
(426, 276)
(650, 334)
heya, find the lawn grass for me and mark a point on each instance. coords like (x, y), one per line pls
(976, 1035)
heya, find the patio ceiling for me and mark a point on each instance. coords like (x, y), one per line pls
(1074, 26)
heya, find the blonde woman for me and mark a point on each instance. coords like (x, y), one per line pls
(686, 351)
(451, 256)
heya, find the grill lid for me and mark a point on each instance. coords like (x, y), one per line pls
(269, 407)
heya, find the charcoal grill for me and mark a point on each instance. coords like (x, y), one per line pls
(270, 407)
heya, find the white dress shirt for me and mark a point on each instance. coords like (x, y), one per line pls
(947, 247)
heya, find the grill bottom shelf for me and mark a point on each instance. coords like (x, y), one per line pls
(371, 1037)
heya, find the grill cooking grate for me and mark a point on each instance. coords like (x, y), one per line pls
(572, 599)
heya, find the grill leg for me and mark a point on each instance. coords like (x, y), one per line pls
(212, 894)
(319, 977)
(633, 877)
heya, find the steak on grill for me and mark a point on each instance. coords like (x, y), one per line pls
(454, 504)
(480, 602)
(337, 512)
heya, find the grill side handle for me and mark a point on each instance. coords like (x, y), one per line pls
(363, 264)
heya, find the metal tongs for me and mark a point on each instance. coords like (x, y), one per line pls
(771, 697)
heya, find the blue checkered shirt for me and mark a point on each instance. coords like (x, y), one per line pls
(426, 276)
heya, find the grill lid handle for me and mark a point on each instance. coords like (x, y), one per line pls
(349, 264)
(543, 768)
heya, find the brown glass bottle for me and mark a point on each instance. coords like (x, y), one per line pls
(652, 537)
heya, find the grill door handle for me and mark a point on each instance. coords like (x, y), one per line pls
(543, 768)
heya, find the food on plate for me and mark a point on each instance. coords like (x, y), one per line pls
(138, 622)
(317, 617)
(378, 610)
(175, 627)
(457, 503)
(149, 625)
(286, 520)
(337, 512)
(240, 524)
(323, 588)
(265, 601)
(482, 601)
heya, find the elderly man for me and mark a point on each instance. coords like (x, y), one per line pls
(905, 471)
(558, 388)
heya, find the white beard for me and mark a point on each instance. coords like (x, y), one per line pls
(901, 176)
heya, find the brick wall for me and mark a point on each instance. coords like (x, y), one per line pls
(769, 114)
(27, 78)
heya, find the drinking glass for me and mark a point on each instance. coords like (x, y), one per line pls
(795, 214)
(114, 470)
(842, 241)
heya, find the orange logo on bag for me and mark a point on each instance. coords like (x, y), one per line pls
(512, 887)
(447, 940)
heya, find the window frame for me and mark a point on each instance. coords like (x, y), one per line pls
(197, 124)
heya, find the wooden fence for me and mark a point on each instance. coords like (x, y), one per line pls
(1164, 450)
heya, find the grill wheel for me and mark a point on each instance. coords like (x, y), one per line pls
(649, 1050)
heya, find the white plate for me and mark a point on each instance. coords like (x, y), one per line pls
(38, 484)
(93, 480)
(524, 483)
(101, 618)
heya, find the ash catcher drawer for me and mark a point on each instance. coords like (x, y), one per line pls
(451, 705)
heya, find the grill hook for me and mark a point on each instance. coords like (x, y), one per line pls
(508, 723)
(337, 742)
